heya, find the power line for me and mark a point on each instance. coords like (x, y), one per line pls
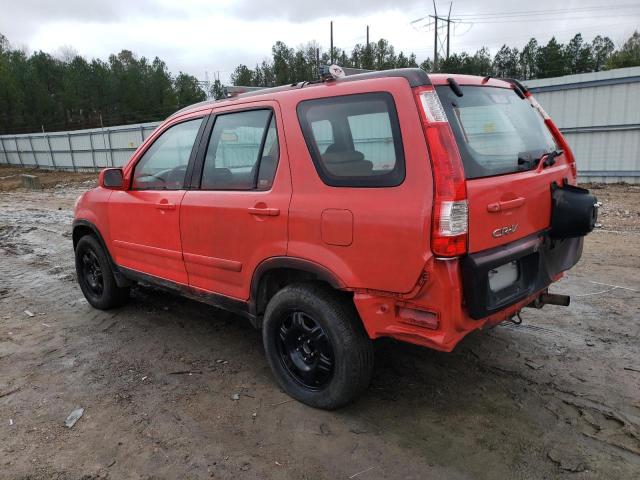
(548, 11)
(528, 20)
(498, 41)
(544, 12)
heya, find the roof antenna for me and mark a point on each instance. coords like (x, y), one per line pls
(486, 79)
(331, 72)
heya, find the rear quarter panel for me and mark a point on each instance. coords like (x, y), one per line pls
(389, 243)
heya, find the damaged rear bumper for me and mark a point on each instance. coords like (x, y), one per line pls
(539, 259)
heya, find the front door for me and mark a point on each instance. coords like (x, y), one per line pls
(236, 216)
(145, 219)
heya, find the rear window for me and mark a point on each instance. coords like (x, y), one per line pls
(497, 131)
(354, 140)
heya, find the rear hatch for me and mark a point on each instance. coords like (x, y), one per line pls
(503, 142)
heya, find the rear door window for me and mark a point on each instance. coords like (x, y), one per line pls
(354, 140)
(242, 153)
(497, 132)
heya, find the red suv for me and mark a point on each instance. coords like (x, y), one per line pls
(330, 213)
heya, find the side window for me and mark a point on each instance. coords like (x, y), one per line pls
(323, 134)
(164, 165)
(354, 140)
(242, 153)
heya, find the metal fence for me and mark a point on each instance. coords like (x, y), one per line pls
(599, 115)
(77, 150)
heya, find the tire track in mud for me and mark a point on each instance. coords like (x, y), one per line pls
(611, 428)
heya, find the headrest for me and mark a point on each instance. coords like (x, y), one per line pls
(343, 156)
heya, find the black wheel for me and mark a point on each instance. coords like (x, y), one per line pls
(316, 345)
(96, 277)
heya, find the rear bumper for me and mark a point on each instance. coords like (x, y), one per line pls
(539, 258)
(455, 300)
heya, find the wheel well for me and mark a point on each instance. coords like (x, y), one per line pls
(83, 229)
(80, 231)
(276, 279)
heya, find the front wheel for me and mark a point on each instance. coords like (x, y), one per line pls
(95, 275)
(316, 345)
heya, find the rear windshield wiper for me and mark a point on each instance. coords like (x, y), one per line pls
(455, 87)
(528, 163)
(551, 157)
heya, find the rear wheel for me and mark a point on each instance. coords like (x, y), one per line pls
(95, 275)
(316, 345)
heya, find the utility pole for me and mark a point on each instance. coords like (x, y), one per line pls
(448, 25)
(367, 34)
(331, 43)
(435, 38)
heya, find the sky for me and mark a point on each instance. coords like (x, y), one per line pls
(198, 36)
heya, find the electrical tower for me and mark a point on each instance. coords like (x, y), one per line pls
(441, 34)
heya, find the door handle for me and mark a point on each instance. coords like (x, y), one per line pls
(269, 212)
(165, 206)
(505, 205)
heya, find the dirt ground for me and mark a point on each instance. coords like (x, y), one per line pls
(557, 397)
(60, 179)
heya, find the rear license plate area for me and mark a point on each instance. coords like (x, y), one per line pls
(503, 276)
(510, 280)
(499, 277)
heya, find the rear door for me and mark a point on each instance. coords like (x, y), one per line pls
(236, 213)
(501, 138)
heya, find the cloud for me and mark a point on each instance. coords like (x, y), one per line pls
(104, 11)
(300, 10)
(20, 20)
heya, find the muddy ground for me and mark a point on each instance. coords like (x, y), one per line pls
(557, 397)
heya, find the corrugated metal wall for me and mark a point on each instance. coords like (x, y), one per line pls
(599, 115)
(76, 150)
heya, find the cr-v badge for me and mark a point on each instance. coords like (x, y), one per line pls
(502, 231)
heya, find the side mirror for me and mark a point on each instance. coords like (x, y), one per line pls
(111, 178)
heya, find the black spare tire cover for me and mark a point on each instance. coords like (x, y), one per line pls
(574, 211)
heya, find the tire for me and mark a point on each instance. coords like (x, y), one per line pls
(327, 323)
(95, 275)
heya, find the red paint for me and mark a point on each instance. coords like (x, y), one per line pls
(144, 237)
(378, 243)
(527, 197)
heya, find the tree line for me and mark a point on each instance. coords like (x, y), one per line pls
(289, 65)
(41, 91)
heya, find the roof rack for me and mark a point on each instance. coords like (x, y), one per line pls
(415, 76)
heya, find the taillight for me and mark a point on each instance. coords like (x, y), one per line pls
(450, 211)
